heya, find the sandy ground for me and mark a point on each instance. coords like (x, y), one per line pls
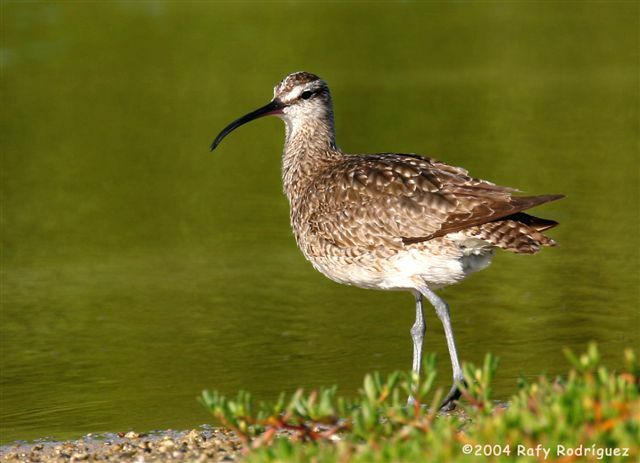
(209, 445)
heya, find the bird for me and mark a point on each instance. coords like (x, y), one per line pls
(391, 221)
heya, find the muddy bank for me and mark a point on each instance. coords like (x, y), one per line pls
(208, 445)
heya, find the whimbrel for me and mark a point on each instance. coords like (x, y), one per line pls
(391, 221)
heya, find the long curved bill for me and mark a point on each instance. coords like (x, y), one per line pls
(274, 107)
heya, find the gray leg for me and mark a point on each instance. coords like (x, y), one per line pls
(442, 310)
(417, 334)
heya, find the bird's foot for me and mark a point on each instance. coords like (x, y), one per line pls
(450, 401)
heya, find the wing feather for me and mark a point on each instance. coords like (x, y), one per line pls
(394, 200)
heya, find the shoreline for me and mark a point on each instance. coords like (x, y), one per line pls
(195, 445)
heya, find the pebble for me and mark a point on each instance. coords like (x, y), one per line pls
(212, 445)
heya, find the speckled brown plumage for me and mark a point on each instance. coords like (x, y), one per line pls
(363, 204)
(391, 221)
(394, 200)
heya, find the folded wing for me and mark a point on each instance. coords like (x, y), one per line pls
(396, 200)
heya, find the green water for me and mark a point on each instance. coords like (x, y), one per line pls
(138, 268)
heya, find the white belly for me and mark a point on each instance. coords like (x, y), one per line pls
(437, 263)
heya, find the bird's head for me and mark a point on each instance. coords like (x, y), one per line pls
(298, 97)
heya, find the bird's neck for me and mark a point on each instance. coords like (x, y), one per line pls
(309, 149)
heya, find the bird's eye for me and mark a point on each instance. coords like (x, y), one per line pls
(306, 95)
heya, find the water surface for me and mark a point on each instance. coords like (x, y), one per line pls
(138, 269)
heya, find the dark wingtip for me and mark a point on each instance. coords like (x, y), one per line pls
(528, 202)
(537, 223)
(541, 199)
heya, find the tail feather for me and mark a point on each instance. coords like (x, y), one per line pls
(512, 235)
(519, 232)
